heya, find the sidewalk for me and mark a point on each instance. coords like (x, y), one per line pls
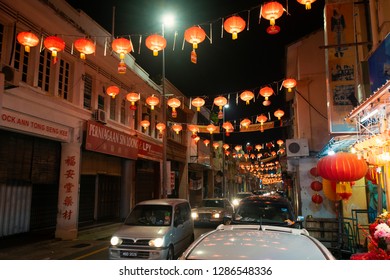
(21, 248)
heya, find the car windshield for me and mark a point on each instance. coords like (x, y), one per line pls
(263, 213)
(212, 203)
(150, 215)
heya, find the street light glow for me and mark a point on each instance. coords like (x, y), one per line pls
(168, 20)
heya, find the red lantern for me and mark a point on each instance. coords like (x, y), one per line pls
(211, 128)
(198, 102)
(160, 127)
(228, 127)
(133, 97)
(155, 43)
(177, 128)
(84, 46)
(317, 199)
(262, 119)
(342, 167)
(54, 44)
(272, 11)
(247, 96)
(194, 35)
(112, 91)
(279, 114)
(289, 84)
(266, 92)
(245, 123)
(27, 39)
(313, 172)
(122, 46)
(152, 101)
(174, 103)
(145, 124)
(316, 186)
(234, 25)
(220, 101)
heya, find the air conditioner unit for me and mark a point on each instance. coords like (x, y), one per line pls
(12, 77)
(297, 147)
(100, 116)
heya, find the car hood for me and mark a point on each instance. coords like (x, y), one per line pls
(208, 209)
(138, 232)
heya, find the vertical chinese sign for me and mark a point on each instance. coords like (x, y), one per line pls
(341, 65)
(67, 216)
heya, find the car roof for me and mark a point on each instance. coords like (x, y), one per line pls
(251, 242)
(167, 201)
(265, 198)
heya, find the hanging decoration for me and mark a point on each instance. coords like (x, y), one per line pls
(258, 147)
(273, 29)
(317, 199)
(313, 172)
(177, 128)
(112, 91)
(84, 46)
(211, 128)
(289, 84)
(279, 114)
(280, 142)
(342, 168)
(316, 186)
(145, 124)
(155, 43)
(152, 101)
(262, 119)
(234, 25)
(133, 97)
(174, 103)
(193, 128)
(54, 44)
(247, 96)
(220, 101)
(215, 145)
(307, 3)
(160, 127)
(122, 46)
(272, 11)
(228, 127)
(206, 142)
(28, 40)
(225, 146)
(198, 102)
(238, 148)
(196, 139)
(194, 35)
(245, 123)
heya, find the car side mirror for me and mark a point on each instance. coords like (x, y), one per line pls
(300, 219)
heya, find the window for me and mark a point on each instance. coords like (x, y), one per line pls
(113, 108)
(123, 111)
(87, 91)
(101, 100)
(44, 71)
(63, 80)
(21, 61)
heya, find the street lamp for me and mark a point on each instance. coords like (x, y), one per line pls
(167, 20)
(224, 192)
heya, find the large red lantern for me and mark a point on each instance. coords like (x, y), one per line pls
(122, 46)
(289, 84)
(266, 92)
(194, 35)
(307, 3)
(27, 39)
(234, 25)
(152, 101)
(155, 43)
(112, 91)
(316, 186)
(84, 46)
(198, 102)
(54, 44)
(174, 103)
(133, 97)
(247, 96)
(342, 167)
(272, 11)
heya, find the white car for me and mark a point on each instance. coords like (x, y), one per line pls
(155, 229)
(256, 242)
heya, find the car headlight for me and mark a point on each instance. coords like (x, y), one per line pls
(115, 241)
(216, 215)
(158, 242)
(194, 215)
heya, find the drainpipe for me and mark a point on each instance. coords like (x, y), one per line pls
(374, 23)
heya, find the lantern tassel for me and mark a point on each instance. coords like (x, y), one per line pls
(194, 57)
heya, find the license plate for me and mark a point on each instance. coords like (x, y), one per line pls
(128, 254)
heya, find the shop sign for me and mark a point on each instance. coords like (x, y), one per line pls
(149, 149)
(103, 139)
(26, 123)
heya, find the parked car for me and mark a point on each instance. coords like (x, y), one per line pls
(256, 242)
(266, 210)
(240, 195)
(155, 229)
(213, 211)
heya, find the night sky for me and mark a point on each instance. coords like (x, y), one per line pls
(225, 66)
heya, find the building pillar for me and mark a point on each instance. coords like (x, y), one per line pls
(68, 194)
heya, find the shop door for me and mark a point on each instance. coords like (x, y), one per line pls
(87, 199)
(108, 197)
